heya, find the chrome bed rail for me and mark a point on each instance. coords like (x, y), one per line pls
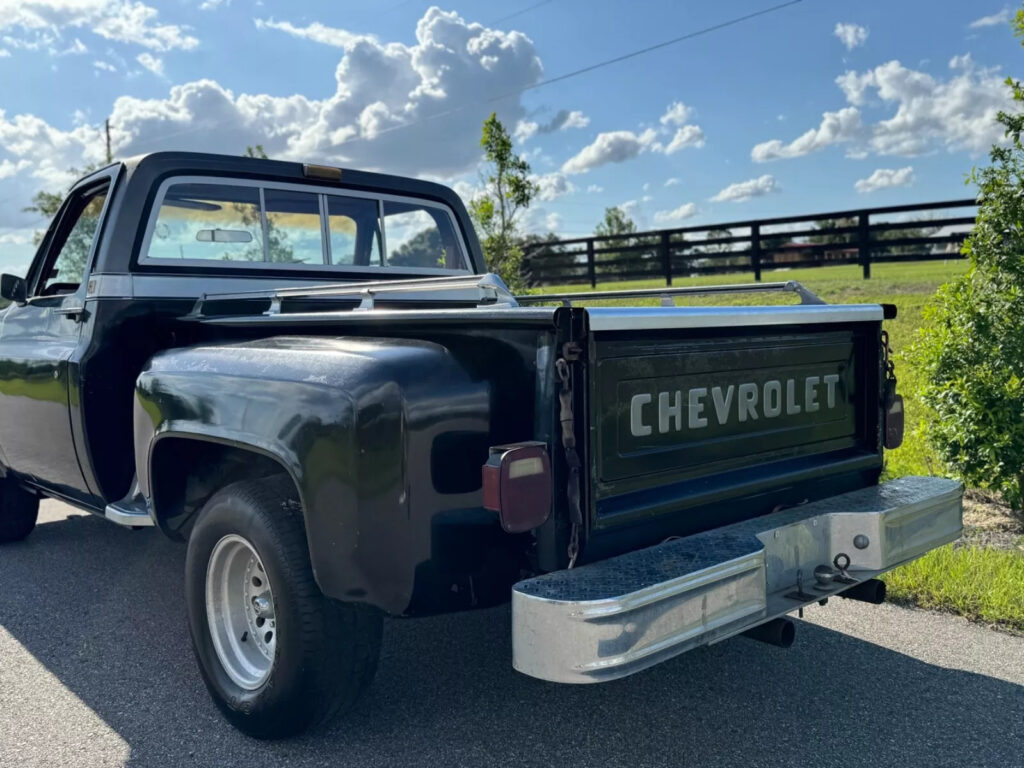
(667, 294)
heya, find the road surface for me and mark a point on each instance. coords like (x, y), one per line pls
(96, 670)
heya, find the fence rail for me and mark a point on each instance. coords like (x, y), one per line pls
(839, 237)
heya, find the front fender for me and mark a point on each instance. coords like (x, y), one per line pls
(354, 421)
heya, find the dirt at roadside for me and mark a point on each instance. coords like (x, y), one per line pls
(988, 522)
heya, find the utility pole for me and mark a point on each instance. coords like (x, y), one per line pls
(106, 126)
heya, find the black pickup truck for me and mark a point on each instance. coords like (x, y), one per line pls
(306, 374)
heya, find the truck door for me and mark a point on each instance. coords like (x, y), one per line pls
(36, 341)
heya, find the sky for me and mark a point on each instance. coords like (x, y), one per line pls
(815, 105)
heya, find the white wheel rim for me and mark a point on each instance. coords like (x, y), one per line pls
(240, 612)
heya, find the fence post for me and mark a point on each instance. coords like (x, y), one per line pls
(864, 243)
(755, 250)
(591, 271)
(666, 257)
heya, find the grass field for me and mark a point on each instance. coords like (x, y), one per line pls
(981, 578)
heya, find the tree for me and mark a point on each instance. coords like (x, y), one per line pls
(616, 222)
(509, 191)
(971, 353)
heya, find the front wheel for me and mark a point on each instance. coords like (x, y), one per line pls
(18, 511)
(276, 655)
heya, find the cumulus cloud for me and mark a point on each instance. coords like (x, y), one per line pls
(683, 212)
(850, 35)
(553, 185)
(316, 33)
(672, 182)
(884, 178)
(744, 190)
(378, 88)
(562, 121)
(835, 127)
(927, 113)
(994, 20)
(38, 23)
(594, 189)
(619, 146)
(153, 63)
(609, 147)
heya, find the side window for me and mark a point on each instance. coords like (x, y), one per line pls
(420, 236)
(66, 263)
(355, 231)
(218, 222)
(294, 235)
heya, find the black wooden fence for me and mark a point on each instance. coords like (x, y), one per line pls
(865, 236)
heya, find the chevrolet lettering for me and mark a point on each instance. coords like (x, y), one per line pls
(306, 375)
(744, 402)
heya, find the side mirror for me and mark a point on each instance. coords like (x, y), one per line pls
(13, 288)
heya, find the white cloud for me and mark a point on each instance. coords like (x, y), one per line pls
(210, 5)
(553, 185)
(672, 182)
(124, 21)
(317, 33)
(677, 113)
(684, 211)
(4, 53)
(104, 66)
(562, 121)
(883, 178)
(153, 63)
(954, 114)
(850, 35)
(744, 190)
(835, 127)
(609, 147)
(994, 20)
(378, 87)
(594, 189)
(687, 136)
(9, 168)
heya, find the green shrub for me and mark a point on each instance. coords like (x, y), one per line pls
(971, 354)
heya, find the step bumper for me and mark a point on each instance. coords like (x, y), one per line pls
(615, 617)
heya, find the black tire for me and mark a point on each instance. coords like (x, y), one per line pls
(18, 511)
(326, 651)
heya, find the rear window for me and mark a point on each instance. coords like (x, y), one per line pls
(243, 223)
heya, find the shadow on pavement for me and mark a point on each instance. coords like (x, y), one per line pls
(102, 609)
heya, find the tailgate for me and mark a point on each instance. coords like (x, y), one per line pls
(703, 416)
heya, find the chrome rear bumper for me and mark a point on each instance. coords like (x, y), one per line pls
(618, 616)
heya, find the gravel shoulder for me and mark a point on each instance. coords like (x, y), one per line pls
(96, 670)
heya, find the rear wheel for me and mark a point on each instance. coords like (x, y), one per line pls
(18, 511)
(276, 655)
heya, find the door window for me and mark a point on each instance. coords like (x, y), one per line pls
(73, 245)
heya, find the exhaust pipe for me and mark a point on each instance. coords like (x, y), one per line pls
(778, 632)
(870, 591)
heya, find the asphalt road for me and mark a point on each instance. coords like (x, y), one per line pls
(96, 670)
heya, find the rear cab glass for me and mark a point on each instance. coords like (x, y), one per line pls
(241, 223)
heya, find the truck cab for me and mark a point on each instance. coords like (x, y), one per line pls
(306, 374)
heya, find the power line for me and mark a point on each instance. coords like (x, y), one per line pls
(520, 12)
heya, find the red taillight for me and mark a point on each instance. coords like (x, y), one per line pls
(517, 485)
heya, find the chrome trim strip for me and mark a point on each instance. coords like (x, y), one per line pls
(654, 318)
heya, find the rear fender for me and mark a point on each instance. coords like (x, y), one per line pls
(353, 421)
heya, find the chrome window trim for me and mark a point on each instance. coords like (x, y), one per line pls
(325, 191)
(653, 318)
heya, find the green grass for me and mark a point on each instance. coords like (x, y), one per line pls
(985, 585)
(981, 583)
